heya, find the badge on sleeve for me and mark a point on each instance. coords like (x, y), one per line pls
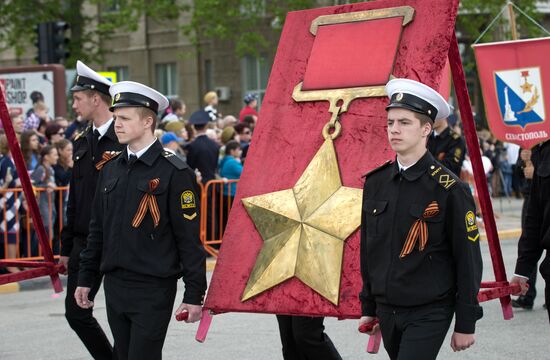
(188, 200)
(471, 225)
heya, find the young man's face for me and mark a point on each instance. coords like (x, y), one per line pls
(246, 135)
(405, 133)
(83, 104)
(129, 125)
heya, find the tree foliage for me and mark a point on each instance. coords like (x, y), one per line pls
(476, 15)
(88, 32)
(249, 24)
(245, 22)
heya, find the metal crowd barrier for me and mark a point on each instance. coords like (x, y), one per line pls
(215, 206)
(26, 240)
(214, 212)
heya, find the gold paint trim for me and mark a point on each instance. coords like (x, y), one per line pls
(407, 12)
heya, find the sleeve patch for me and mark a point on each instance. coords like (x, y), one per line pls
(470, 219)
(188, 200)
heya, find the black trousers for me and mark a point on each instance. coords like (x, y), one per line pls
(304, 338)
(413, 334)
(545, 272)
(139, 310)
(82, 321)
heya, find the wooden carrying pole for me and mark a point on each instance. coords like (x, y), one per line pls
(479, 174)
(48, 267)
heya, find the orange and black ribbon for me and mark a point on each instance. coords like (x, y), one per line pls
(419, 230)
(107, 155)
(148, 201)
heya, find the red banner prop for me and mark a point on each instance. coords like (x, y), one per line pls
(515, 81)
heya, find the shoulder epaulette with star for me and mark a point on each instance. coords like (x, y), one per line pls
(455, 135)
(82, 133)
(174, 160)
(376, 169)
(442, 176)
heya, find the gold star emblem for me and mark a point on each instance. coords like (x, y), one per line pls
(526, 87)
(304, 229)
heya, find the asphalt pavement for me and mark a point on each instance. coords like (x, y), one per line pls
(33, 325)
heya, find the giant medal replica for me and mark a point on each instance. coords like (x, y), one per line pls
(304, 228)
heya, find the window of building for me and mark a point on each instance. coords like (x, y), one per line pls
(255, 72)
(166, 79)
(122, 72)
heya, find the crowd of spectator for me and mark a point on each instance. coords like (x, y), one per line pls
(47, 149)
(216, 150)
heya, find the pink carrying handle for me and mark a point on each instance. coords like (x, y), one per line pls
(374, 343)
(204, 325)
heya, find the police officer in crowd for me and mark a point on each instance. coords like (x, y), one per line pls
(447, 146)
(91, 101)
(203, 152)
(144, 231)
(420, 255)
(203, 156)
(535, 235)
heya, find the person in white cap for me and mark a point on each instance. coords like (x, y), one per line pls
(91, 100)
(144, 231)
(420, 258)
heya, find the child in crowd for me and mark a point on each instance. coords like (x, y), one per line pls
(44, 177)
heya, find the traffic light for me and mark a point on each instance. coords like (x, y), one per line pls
(52, 42)
(41, 43)
(60, 41)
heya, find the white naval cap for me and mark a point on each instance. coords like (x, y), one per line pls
(133, 94)
(415, 96)
(87, 79)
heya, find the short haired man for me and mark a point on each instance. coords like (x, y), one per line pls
(91, 100)
(144, 231)
(420, 257)
(202, 152)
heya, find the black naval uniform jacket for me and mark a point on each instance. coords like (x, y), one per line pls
(83, 183)
(535, 237)
(448, 270)
(172, 249)
(449, 149)
(202, 154)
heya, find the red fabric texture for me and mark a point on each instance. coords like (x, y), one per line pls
(511, 55)
(289, 135)
(343, 55)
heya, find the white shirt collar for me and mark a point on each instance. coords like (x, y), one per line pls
(141, 152)
(103, 128)
(403, 167)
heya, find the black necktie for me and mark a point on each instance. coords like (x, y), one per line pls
(95, 144)
(131, 160)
